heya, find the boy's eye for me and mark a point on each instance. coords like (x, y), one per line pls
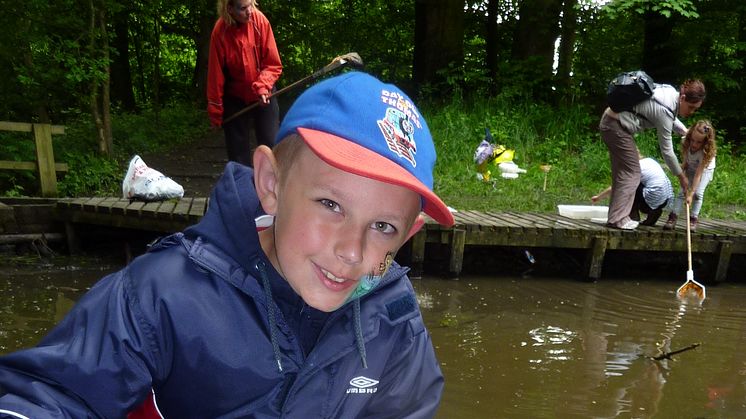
(384, 227)
(328, 203)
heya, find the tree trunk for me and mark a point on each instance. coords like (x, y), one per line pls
(121, 76)
(142, 92)
(206, 23)
(658, 54)
(533, 45)
(157, 67)
(491, 47)
(567, 48)
(100, 110)
(438, 39)
(105, 85)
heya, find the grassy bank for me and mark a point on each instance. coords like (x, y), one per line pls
(568, 140)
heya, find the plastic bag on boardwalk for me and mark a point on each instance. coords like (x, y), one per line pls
(143, 183)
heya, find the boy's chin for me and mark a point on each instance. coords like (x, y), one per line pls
(327, 304)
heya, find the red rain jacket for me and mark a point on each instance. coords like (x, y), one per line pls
(244, 63)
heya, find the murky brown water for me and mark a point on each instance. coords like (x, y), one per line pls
(557, 348)
(515, 348)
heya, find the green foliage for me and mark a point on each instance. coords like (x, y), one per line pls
(90, 175)
(47, 68)
(667, 8)
(175, 124)
(16, 146)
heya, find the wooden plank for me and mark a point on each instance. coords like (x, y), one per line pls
(501, 219)
(150, 209)
(181, 212)
(474, 222)
(27, 165)
(726, 227)
(91, 205)
(198, 208)
(529, 222)
(567, 222)
(119, 207)
(45, 159)
(134, 208)
(535, 220)
(468, 218)
(107, 204)
(76, 203)
(123, 221)
(27, 127)
(166, 208)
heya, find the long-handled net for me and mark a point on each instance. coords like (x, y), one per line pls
(691, 289)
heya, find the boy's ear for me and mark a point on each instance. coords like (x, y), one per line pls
(266, 178)
(418, 223)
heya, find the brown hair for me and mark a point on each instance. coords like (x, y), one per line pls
(709, 147)
(286, 152)
(224, 10)
(693, 91)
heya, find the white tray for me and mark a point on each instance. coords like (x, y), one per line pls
(583, 212)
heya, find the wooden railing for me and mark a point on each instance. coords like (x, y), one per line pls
(44, 164)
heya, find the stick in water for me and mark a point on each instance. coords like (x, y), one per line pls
(668, 355)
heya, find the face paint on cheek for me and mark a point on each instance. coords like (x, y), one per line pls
(384, 266)
(370, 281)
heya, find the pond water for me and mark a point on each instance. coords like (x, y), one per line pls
(549, 348)
(514, 347)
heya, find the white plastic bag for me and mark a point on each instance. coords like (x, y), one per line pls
(143, 183)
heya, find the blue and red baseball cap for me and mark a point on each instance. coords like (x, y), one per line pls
(358, 124)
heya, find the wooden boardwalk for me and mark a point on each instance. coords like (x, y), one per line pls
(472, 228)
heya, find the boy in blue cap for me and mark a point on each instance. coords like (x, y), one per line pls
(283, 301)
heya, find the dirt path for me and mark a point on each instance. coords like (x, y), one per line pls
(196, 166)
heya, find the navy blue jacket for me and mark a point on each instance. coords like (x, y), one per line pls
(205, 321)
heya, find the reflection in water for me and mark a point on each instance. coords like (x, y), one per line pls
(35, 295)
(560, 348)
(516, 348)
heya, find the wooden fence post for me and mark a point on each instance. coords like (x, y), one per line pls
(725, 249)
(45, 159)
(458, 240)
(418, 252)
(595, 257)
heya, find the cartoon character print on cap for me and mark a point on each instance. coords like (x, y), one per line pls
(398, 125)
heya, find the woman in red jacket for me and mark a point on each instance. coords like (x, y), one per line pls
(243, 67)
